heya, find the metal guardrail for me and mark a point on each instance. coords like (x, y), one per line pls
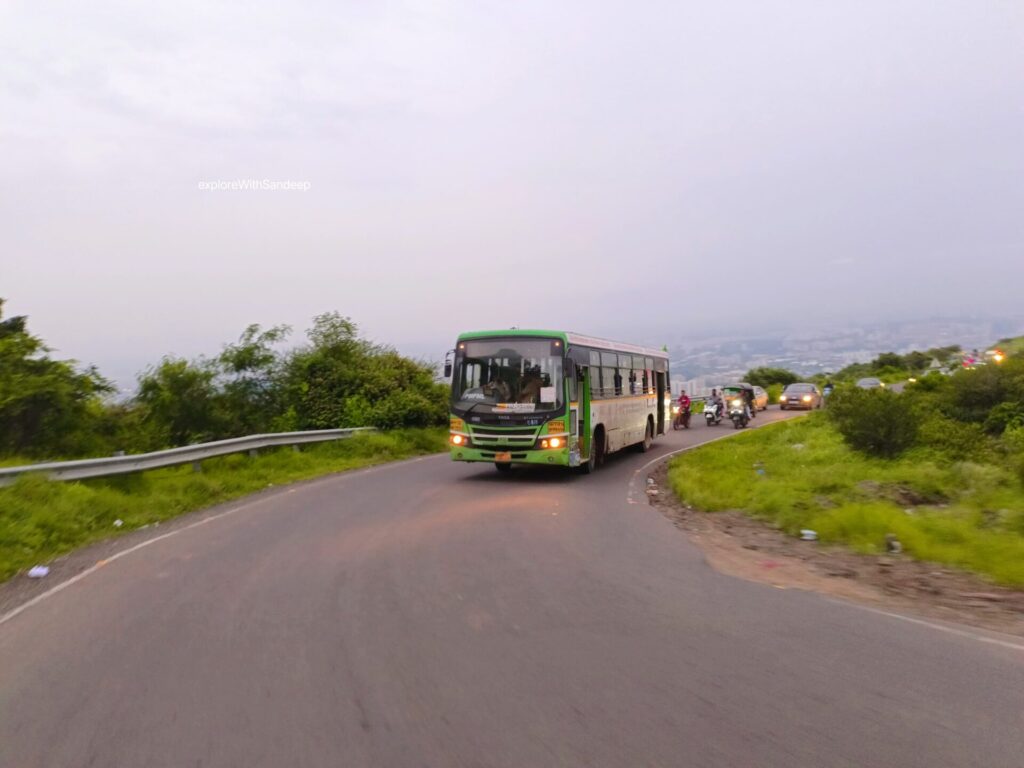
(189, 454)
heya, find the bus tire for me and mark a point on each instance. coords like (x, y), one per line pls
(587, 466)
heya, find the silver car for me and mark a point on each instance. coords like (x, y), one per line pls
(870, 383)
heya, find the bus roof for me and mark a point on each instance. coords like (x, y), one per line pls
(576, 339)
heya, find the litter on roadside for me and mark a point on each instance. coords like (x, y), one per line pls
(118, 523)
(808, 535)
(38, 571)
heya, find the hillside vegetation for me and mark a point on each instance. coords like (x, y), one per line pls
(56, 409)
(939, 467)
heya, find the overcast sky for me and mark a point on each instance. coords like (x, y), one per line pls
(568, 164)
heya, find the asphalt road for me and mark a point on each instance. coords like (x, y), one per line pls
(439, 614)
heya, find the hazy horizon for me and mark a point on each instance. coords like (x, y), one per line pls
(687, 169)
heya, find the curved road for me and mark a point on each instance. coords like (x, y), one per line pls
(438, 614)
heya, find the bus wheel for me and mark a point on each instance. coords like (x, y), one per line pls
(503, 466)
(590, 464)
(648, 440)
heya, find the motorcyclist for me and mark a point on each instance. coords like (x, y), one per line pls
(717, 401)
(684, 408)
(748, 400)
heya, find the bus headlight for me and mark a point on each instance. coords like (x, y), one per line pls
(458, 440)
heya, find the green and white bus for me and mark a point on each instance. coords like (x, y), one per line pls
(553, 397)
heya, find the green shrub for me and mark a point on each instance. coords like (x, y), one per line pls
(774, 390)
(875, 422)
(955, 439)
(1004, 416)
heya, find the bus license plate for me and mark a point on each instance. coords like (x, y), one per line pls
(503, 456)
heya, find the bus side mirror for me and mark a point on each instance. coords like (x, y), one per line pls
(448, 364)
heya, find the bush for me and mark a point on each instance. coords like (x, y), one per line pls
(954, 439)
(774, 390)
(875, 422)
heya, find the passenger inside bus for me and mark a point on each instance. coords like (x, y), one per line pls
(529, 386)
(498, 389)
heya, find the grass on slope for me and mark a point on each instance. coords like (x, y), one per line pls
(800, 474)
(41, 519)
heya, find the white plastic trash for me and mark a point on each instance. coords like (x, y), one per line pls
(808, 535)
(118, 523)
(38, 571)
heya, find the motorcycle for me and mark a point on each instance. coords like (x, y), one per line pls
(738, 413)
(712, 414)
(680, 418)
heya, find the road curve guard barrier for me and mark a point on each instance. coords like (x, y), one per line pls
(190, 454)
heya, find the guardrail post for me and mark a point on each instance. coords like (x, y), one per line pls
(197, 466)
(296, 448)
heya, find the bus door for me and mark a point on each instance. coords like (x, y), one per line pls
(661, 386)
(579, 411)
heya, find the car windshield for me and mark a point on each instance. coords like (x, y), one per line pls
(517, 375)
(800, 388)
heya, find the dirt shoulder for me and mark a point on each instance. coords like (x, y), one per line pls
(746, 548)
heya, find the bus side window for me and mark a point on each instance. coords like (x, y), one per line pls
(574, 385)
(608, 376)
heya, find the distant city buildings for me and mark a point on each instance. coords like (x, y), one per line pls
(699, 365)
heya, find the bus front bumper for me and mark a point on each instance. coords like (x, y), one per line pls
(546, 456)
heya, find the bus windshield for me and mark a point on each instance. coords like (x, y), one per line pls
(514, 375)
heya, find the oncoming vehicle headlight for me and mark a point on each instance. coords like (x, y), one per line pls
(458, 440)
(783, 398)
(552, 442)
(806, 398)
(737, 403)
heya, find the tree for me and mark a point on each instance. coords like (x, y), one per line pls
(181, 402)
(887, 360)
(765, 377)
(340, 380)
(47, 407)
(916, 361)
(250, 381)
